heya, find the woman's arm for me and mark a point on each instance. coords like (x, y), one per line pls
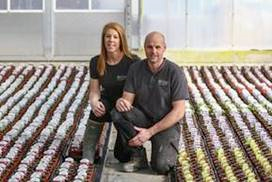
(94, 94)
(98, 107)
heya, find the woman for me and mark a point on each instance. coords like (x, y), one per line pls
(108, 74)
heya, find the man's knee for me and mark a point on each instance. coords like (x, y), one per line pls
(116, 115)
(128, 115)
(134, 115)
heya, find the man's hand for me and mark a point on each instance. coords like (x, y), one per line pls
(98, 109)
(143, 135)
(122, 105)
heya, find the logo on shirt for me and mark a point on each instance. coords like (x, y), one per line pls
(162, 83)
(121, 77)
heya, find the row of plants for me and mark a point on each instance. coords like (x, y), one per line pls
(233, 120)
(44, 119)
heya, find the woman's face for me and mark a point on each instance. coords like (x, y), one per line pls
(112, 41)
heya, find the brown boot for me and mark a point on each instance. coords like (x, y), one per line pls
(136, 163)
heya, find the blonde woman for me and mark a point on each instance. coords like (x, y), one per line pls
(108, 72)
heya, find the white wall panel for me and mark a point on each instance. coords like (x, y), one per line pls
(21, 34)
(79, 34)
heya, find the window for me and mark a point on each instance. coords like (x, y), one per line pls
(26, 4)
(108, 5)
(3, 5)
(90, 5)
(72, 4)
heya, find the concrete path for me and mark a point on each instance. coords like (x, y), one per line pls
(112, 168)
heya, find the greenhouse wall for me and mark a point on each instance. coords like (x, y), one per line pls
(200, 24)
(70, 30)
(54, 30)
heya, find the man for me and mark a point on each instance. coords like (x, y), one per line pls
(158, 90)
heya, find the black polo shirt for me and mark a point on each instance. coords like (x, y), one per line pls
(156, 92)
(112, 83)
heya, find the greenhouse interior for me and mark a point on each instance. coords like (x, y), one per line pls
(223, 47)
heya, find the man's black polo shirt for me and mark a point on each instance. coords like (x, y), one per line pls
(156, 92)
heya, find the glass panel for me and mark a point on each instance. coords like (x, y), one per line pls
(3, 4)
(167, 17)
(26, 4)
(209, 24)
(252, 24)
(72, 4)
(108, 4)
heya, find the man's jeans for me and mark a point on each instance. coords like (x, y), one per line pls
(164, 144)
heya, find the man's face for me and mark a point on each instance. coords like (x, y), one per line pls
(154, 48)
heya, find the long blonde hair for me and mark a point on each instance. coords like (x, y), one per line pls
(101, 65)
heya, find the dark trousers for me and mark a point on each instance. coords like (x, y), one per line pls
(120, 153)
(164, 144)
(106, 117)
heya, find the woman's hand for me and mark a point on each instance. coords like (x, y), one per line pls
(122, 105)
(98, 108)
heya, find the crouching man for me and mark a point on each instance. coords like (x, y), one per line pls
(157, 88)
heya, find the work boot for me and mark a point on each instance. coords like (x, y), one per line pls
(136, 163)
(91, 137)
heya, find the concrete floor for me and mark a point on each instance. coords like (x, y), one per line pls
(112, 168)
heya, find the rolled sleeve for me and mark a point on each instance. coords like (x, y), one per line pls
(130, 81)
(179, 89)
(93, 68)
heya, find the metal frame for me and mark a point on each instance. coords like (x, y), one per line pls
(186, 24)
(133, 9)
(232, 23)
(49, 31)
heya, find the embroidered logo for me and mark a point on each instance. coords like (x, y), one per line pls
(121, 77)
(162, 82)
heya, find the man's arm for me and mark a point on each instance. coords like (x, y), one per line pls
(176, 113)
(124, 103)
